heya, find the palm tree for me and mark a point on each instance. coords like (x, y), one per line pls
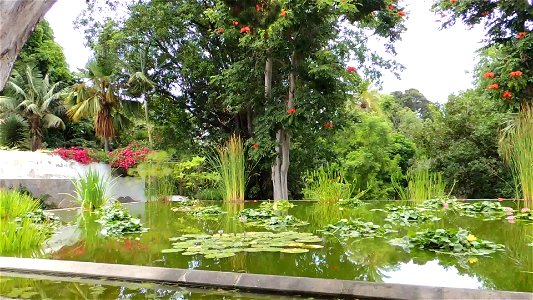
(35, 99)
(97, 97)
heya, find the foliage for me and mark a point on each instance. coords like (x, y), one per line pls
(14, 132)
(406, 215)
(327, 185)
(156, 170)
(193, 178)
(422, 185)
(14, 204)
(415, 101)
(356, 228)
(91, 190)
(36, 99)
(226, 245)
(128, 157)
(117, 222)
(486, 209)
(517, 146)
(448, 241)
(230, 164)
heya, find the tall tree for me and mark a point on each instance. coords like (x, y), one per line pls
(17, 20)
(415, 101)
(37, 100)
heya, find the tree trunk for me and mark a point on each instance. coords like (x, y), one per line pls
(107, 148)
(280, 169)
(17, 20)
(36, 133)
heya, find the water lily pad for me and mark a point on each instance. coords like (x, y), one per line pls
(189, 253)
(173, 250)
(312, 246)
(294, 250)
(309, 240)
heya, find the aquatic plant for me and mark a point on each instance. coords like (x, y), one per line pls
(449, 241)
(351, 202)
(406, 215)
(22, 236)
(489, 210)
(524, 214)
(14, 204)
(356, 228)
(91, 190)
(439, 204)
(226, 245)
(270, 215)
(421, 185)
(327, 185)
(117, 222)
(230, 164)
(211, 211)
(516, 144)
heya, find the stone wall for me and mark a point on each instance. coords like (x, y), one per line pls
(50, 176)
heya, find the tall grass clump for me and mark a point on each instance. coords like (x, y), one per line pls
(230, 163)
(516, 144)
(20, 236)
(421, 185)
(327, 185)
(14, 204)
(91, 190)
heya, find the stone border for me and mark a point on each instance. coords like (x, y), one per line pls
(251, 282)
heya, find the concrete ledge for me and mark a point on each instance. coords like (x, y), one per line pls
(250, 282)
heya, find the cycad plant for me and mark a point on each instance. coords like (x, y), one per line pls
(516, 145)
(14, 132)
(36, 99)
(230, 164)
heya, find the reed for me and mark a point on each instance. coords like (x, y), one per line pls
(230, 163)
(516, 144)
(327, 185)
(14, 204)
(421, 185)
(91, 190)
(21, 237)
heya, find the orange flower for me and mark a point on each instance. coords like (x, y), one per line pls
(493, 86)
(245, 29)
(282, 13)
(258, 7)
(235, 22)
(521, 35)
(390, 7)
(507, 95)
(291, 111)
(453, 1)
(329, 125)
(220, 30)
(401, 13)
(515, 74)
(255, 146)
(488, 75)
(351, 69)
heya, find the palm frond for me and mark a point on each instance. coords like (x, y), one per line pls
(7, 103)
(53, 121)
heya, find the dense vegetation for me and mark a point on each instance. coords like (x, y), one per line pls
(289, 78)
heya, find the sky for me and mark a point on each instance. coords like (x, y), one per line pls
(438, 62)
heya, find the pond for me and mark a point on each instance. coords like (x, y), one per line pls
(368, 259)
(21, 286)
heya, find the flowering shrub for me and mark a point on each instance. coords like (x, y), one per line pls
(128, 157)
(81, 155)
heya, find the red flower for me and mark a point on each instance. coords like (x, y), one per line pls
(493, 86)
(255, 146)
(401, 13)
(453, 1)
(220, 30)
(291, 111)
(257, 7)
(351, 69)
(390, 7)
(507, 95)
(488, 75)
(235, 22)
(521, 35)
(245, 29)
(515, 74)
(282, 13)
(485, 13)
(329, 125)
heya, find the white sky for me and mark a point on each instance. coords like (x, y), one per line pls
(437, 62)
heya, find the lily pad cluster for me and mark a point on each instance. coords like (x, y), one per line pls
(525, 214)
(204, 212)
(440, 203)
(227, 245)
(406, 215)
(356, 228)
(40, 217)
(272, 216)
(448, 241)
(489, 210)
(117, 222)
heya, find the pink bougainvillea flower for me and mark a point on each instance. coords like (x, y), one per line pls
(351, 69)
(493, 86)
(291, 111)
(489, 75)
(521, 35)
(507, 95)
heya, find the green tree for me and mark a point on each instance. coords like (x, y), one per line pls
(36, 99)
(415, 101)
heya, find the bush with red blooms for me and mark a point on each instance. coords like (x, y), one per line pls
(81, 155)
(128, 157)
